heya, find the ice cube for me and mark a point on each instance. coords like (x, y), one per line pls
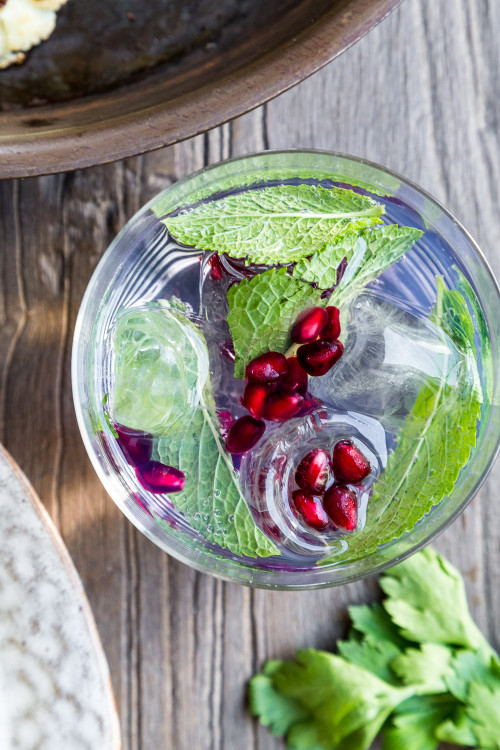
(389, 356)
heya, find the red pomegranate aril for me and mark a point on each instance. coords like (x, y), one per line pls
(296, 378)
(331, 331)
(216, 267)
(135, 445)
(318, 357)
(341, 505)
(308, 325)
(349, 464)
(282, 405)
(254, 396)
(244, 434)
(309, 507)
(160, 478)
(267, 368)
(313, 472)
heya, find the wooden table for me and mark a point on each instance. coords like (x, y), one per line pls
(421, 95)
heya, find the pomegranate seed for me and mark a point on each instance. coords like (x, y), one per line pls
(319, 356)
(135, 445)
(309, 507)
(341, 504)
(244, 434)
(296, 378)
(160, 478)
(308, 325)
(254, 396)
(281, 405)
(331, 330)
(216, 268)
(349, 464)
(267, 368)
(313, 472)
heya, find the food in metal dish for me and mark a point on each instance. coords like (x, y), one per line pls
(23, 25)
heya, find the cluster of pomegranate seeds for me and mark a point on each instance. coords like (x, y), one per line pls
(276, 387)
(154, 476)
(338, 505)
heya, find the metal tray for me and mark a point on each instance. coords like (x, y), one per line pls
(124, 77)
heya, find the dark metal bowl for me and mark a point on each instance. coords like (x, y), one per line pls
(124, 77)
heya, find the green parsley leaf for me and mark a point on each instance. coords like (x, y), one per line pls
(413, 724)
(261, 313)
(275, 711)
(483, 710)
(277, 224)
(346, 705)
(368, 255)
(458, 729)
(473, 666)
(374, 642)
(440, 431)
(426, 599)
(162, 386)
(427, 667)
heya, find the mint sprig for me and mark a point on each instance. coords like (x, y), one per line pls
(273, 225)
(162, 386)
(434, 442)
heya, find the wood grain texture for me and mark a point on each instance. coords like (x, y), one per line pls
(421, 95)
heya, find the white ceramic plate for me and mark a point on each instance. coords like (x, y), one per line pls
(55, 691)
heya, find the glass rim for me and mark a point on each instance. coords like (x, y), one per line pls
(339, 575)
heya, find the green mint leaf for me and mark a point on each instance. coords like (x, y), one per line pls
(321, 267)
(427, 668)
(277, 224)
(486, 354)
(257, 172)
(274, 710)
(385, 246)
(262, 311)
(426, 599)
(346, 705)
(368, 255)
(413, 724)
(212, 500)
(433, 444)
(162, 386)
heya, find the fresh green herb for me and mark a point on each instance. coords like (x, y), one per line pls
(262, 311)
(385, 246)
(434, 442)
(258, 172)
(368, 255)
(431, 689)
(279, 224)
(421, 594)
(162, 386)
